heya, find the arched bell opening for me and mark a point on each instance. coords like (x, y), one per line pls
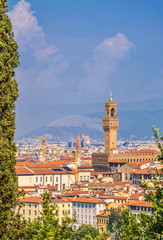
(112, 114)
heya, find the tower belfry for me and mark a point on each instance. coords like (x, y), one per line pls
(110, 125)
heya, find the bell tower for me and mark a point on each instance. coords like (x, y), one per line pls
(110, 125)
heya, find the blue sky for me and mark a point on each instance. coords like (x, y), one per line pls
(75, 51)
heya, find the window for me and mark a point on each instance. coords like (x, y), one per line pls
(68, 205)
(23, 211)
(112, 112)
(29, 211)
(50, 179)
(35, 212)
(36, 179)
(63, 205)
(29, 205)
(40, 179)
(56, 179)
(46, 179)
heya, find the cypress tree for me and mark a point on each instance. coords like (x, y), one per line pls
(10, 224)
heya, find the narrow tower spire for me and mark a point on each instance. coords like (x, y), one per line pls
(110, 98)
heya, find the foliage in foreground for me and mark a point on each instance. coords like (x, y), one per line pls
(47, 225)
(146, 227)
(11, 226)
(83, 230)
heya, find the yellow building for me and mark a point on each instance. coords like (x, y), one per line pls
(32, 207)
(103, 217)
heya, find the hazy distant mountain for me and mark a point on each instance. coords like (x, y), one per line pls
(133, 124)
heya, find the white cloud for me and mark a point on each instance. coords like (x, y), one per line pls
(105, 59)
(29, 33)
(45, 62)
(25, 25)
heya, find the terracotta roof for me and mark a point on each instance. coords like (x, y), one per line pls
(102, 215)
(67, 158)
(42, 171)
(147, 171)
(85, 166)
(33, 199)
(139, 203)
(98, 184)
(38, 199)
(122, 183)
(88, 200)
(84, 170)
(134, 196)
(23, 170)
(98, 173)
(25, 163)
(144, 162)
(140, 151)
(133, 165)
(116, 161)
(51, 188)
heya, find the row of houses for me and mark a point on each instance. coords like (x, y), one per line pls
(86, 210)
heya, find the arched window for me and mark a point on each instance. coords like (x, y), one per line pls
(112, 112)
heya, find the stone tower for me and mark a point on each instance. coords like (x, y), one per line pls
(110, 125)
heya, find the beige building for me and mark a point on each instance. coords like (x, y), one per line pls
(144, 174)
(140, 206)
(103, 217)
(44, 176)
(32, 207)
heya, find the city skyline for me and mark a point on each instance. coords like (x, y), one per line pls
(76, 52)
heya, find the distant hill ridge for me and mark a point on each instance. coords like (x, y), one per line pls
(135, 123)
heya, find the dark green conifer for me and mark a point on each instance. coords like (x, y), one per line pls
(9, 59)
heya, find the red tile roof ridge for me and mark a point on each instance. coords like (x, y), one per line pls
(143, 151)
(147, 171)
(102, 215)
(145, 162)
(140, 203)
(117, 160)
(23, 170)
(88, 200)
(133, 165)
